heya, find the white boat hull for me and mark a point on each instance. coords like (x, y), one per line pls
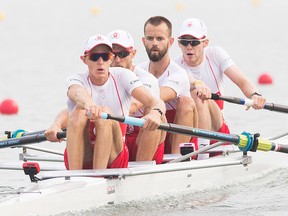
(78, 192)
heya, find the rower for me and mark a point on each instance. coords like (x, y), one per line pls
(143, 145)
(207, 67)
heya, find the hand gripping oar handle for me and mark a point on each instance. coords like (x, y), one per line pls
(249, 102)
(245, 141)
(28, 139)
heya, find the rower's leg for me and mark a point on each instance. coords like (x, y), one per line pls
(103, 143)
(117, 141)
(108, 143)
(209, 113)
(210, 118)
(78, 143)
(186, 114)
(216, 116)
(148, 141)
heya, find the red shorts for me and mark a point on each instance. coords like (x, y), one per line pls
(170, 115)
(224, 129)
(131, 135)
(120, 162)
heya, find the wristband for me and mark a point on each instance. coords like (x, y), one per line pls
(255, 93)
(159, 110)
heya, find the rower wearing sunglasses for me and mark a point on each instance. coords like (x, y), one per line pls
(143, 145)
(103, 89)
(206, 67)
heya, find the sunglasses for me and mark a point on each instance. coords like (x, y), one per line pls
(192, 42)
(122, 54)
(96, 56)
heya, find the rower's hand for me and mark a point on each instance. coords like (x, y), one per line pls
(258, 102)
(51, 133)
(202, 91)
(93, 112)
(152, 120)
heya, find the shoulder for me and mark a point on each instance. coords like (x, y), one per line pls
(178, 60)
(144, 65)
(143, 73)
(174, 67)
(119, 71)
(215, 51)
(77, 76)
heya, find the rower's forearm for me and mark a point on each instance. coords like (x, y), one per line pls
(61, 119)
(80, 96)
(159, 104)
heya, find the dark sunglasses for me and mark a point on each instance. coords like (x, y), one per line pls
(192, 42)
(122, 54)
(96, 56)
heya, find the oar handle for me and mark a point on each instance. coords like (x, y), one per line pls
(124, 119)
(249, 102)
(246, 102)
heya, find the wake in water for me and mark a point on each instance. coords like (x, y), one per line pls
(266, 195)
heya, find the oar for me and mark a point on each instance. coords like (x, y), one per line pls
(20, 133)
(249, 102)
(245, 141)
(28, 139)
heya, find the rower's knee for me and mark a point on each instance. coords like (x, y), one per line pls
(104, 123)
(186, 105)
(77, 118)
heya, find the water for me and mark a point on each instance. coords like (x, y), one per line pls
(40, 45)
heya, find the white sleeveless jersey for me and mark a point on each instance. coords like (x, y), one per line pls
(174, 77)
(115, 93)
(211, 70)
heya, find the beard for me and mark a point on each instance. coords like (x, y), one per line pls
(155, 57)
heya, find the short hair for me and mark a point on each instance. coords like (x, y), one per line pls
(157, 20)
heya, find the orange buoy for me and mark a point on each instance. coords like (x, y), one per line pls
(265, 79)
(9, 107)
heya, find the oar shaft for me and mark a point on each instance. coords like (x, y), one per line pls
(190, 131)
(279, 148)
(249, 102)
(276, 107)
(29, 139)
(267, 145)
(245, 141)
(173, 128)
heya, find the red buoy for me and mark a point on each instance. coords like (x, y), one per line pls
(265, 79)
(9, 107)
